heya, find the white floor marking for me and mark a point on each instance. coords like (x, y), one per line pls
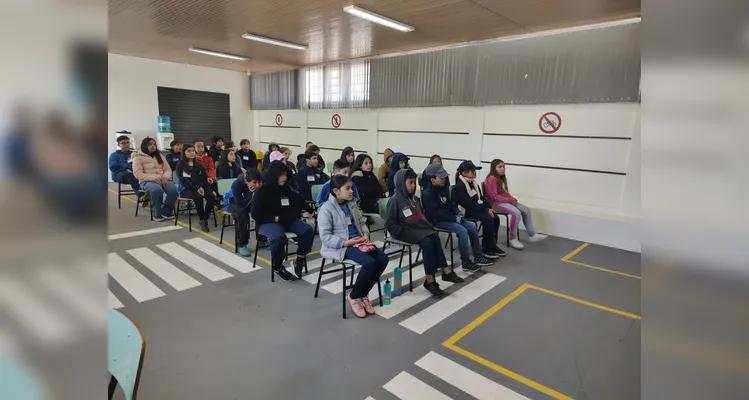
(143, 232)
(369, 398)
(312, 276)
(79, 297)
(407, 387)
(434, 314)
(172, 275)
(410, 299)
(466, 380)
(230, 259)
(337, 288)
(131, 280)
(113, 302)
(194, 261)
(45, 324)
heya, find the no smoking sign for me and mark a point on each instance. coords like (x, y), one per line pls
(550, 122)
(336, 121)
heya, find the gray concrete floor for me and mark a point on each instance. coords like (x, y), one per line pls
(244, 337)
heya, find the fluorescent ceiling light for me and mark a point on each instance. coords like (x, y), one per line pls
(275, 42)
(218, 54)
(377, 18)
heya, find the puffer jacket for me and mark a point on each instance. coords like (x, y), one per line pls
(147, 169)
(333, 227)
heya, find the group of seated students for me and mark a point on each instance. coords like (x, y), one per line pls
(277, 198)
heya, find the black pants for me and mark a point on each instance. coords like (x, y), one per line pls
(434, 257)
(490, 229)
(210, 201)
(241, 223)
(372, 265)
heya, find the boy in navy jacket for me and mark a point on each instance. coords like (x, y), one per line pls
(310, 175)
(174, 155)
(238, 201)
(121, 166)
(444, 214)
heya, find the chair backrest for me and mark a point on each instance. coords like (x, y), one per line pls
(175, 178)
(126, 348)
(259, 155)
(330, 168)
(224, 185)
(316, 189)
(382, 205)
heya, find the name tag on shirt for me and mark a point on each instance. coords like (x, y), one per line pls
(185, 175)
(481, 202)
(472, 193)
(310, 178)
(246, 158)
(149, 165)
(284, 201)
(317, 175)
(348, 220)
(407, 212)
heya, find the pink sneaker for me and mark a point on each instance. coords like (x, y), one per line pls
(368, 306)
(357, 307)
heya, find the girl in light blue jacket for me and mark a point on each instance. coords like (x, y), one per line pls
(344, 235)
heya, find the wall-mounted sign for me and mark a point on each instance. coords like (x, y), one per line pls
(550, 122)
(336, 120)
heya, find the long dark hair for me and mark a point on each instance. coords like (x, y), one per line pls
(346, 151)
(337, 182)
(360, 161)
(144, 148)
(223, 164)
(271, 146)
(184, 161)
(493, 172)
(431, 159)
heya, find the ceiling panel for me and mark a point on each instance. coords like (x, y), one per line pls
(165, 29)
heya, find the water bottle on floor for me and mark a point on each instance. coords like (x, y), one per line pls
(397, 281)
(386, 293)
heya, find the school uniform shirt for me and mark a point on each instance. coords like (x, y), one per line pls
(369, 190)
(272, 200)
(147, 169)
(308, 177)
(192, 177)
(208, 164)
(119, 162)
(248, 159)
(173, 158)
(405, 218)
(438, 206)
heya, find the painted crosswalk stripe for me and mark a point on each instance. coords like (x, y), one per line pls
(434, 314)
(143, 232)
(113, 302)
(466, 380)
(78, 296)
(230, 259)
(131, 280)
(410, 299)
(407, 387)
(30, 311)
(172, 275)
(197, 263)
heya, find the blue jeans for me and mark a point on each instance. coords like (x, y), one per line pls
(468, 237)
(156, 192)
(372, 264)
(127, 177)
(276, 234)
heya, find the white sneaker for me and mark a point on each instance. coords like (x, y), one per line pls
(537, 237)
(515, 244)
(158, 219)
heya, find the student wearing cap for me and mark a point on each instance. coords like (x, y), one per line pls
(470, 199)
(443, 213)
(406, 222)
(400, 161)
(384, 172)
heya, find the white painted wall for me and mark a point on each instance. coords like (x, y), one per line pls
(590, 206)
(133, 100)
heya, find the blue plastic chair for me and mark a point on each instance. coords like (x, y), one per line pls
(126, 349)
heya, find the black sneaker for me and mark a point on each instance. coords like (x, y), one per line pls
(470, 266)
(284, 274)
(452, 277)
(203, 225)
(483, 262)
(490, 255)
(299, 267)
(499, 251)
(434, 289)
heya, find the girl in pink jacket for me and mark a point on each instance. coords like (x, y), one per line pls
(153, 173)
(497, 193)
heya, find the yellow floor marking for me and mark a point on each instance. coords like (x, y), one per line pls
(611, 271)
(451, 342)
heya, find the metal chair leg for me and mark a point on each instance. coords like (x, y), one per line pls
(319, 278)
(410, 271)
(379, 290)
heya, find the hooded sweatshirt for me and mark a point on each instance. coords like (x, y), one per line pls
(384, 171)
(147, 169)
(405, 220)
(394, 168)
(271, 200)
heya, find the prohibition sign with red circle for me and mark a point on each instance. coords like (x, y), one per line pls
(336, 120)
(550, 122)
(279, 119)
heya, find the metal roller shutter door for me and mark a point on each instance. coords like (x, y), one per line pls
(195, 114)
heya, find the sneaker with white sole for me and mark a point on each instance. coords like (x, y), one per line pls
(483, 261)
(471, 266)
(357, 307)
(515, 244)
(537, 237)
(158, 219)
